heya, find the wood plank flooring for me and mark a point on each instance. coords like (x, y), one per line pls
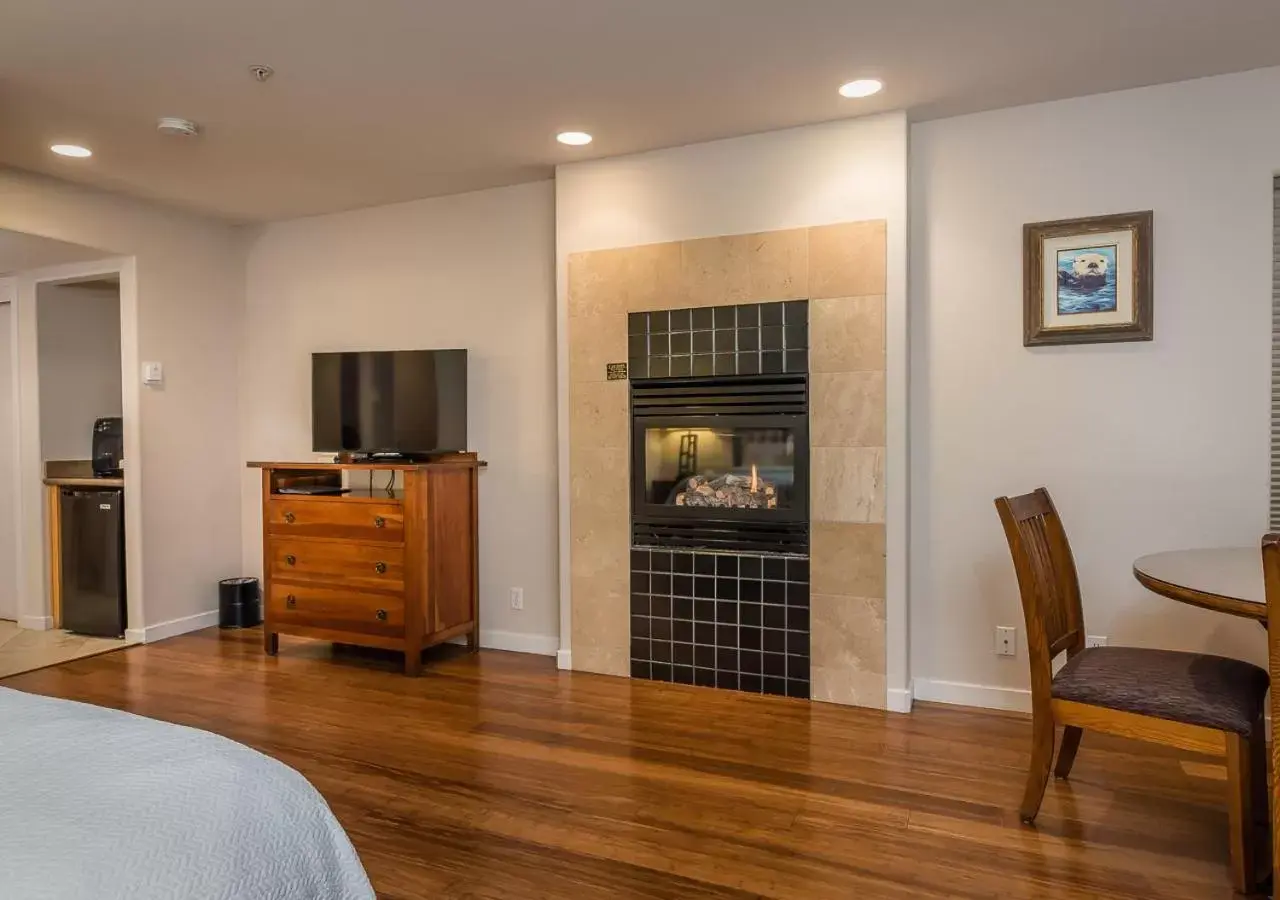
(495, 777)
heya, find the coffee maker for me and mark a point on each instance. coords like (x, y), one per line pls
(108, 447)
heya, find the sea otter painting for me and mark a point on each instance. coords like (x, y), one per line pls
(1087, 280)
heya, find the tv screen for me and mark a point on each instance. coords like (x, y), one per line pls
(403, 401)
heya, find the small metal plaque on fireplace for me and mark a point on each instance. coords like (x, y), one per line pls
(616, 371)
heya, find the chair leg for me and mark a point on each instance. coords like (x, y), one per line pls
(1262, 856)
(1041, 762)
(1273, 808)
(1240, 790)
(1067, 753)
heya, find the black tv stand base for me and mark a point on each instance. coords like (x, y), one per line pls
(387, 457)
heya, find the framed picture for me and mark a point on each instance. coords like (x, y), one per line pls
(1087, 281)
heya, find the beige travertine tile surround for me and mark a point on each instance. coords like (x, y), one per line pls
(841, 270)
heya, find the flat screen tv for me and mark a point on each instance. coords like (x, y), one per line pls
(410, 402)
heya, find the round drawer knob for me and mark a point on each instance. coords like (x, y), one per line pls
(379, 522)
(380, 568)
(291, 601)
(291, 560)
(289, 517)
(382, 615)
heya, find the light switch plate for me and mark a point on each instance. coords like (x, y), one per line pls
(152, 373)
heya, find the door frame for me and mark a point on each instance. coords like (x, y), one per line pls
(34, 609)
(9, 299)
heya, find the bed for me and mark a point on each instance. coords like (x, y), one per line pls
(97, 804)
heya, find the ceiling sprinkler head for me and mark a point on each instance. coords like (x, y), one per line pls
(176, 126)
(261, 73)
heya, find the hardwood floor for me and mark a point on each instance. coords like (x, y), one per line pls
(493, 777)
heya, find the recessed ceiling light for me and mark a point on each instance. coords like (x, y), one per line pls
(574, 138)
(73, 150)
(863, 87)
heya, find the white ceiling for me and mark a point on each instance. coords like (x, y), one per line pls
(19, 252)
(386, 100)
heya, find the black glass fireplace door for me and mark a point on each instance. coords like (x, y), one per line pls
(735, 475)
(715, 466)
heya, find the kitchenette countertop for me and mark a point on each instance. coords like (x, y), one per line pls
(86, 482)
(76, 473)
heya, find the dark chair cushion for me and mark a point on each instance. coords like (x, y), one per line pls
(1192, 688)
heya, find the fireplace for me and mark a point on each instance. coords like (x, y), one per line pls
(720, 497)
(803, 302)
(721, 463)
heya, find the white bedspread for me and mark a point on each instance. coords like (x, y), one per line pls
(97, 804)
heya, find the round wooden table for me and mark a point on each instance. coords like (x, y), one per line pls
(1227, 580)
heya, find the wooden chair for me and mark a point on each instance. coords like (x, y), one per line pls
(1271, 577)
(1192, 701)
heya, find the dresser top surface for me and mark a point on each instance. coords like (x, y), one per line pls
(449, 462)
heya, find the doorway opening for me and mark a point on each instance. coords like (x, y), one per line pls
(81, 448)
(9, 518)
(78, 541)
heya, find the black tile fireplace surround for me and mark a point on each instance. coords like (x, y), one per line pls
(748, 339)
(720, 497)
(733, 621)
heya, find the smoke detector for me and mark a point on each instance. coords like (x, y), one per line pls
(176, 126)
(261, 73)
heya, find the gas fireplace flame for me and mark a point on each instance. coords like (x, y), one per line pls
(755, 479)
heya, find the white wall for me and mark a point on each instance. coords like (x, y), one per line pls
(839, 172)
(471, 271)
(188, 275)
(1145, 447)
(8, 459)
(78, 336)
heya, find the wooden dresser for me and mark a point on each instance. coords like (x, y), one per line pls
(393, 569)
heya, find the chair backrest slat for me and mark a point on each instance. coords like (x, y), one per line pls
(1047, 581)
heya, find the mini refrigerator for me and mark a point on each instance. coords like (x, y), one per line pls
(93, 582)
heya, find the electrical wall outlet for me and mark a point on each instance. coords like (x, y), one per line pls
(517, 598)
(1095, 640)
(1006, 640)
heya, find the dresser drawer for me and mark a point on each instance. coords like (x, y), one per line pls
(336, 609)
(349, 520)
(364, 567)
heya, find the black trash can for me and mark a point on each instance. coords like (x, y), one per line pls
(239, 603)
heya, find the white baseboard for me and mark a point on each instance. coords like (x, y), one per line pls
(519, 642)
(984, 696)
(36, 623)
(514, 642)
(172, 628)
(564, 660)
(900, 699)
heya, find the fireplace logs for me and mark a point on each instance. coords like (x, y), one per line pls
(729, 492)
